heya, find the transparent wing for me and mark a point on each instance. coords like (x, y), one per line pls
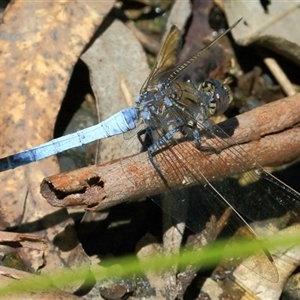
(179, 69)
(131, 144)
(166, 58)
(260, 196)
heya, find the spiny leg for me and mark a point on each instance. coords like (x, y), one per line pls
(163, 143)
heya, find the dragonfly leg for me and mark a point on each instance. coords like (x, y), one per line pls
(139, 136)
(163, 143)
(154, 164)
(144, 138)
(197, 134)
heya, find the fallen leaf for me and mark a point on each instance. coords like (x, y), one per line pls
(277, 19)
(41, 43)
(23, 239)
(286, 261)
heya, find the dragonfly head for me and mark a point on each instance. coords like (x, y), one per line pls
(218, 96)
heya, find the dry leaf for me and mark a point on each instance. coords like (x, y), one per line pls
(286, 260)
(180, 12)
(23, 239)
(41, 43)
(277, 19)
(35, 67)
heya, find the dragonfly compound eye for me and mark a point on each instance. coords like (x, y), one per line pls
(217, 96)
(228, 91)
(223, 97)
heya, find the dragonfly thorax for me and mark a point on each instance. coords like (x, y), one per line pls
(154, 102)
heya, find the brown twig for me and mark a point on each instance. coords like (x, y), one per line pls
(270, 134)
(280, 76)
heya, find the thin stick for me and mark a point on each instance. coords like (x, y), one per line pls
(280, 76)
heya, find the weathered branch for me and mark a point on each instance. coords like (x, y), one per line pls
(270, 134)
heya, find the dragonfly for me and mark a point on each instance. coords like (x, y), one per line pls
(170, 112)
(121, 122)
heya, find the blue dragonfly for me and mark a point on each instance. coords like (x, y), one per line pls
(121, 122)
